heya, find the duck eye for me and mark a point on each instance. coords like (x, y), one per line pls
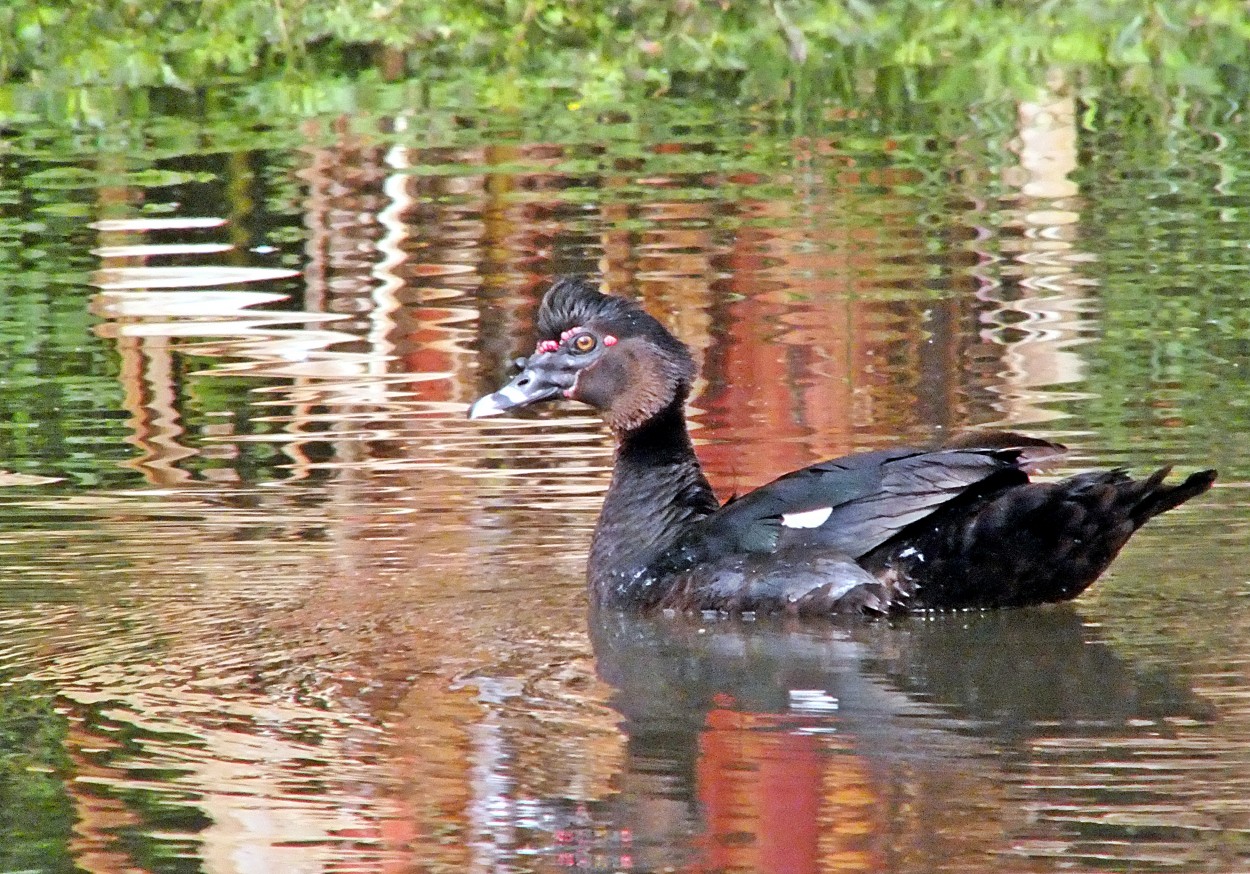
(583, 343)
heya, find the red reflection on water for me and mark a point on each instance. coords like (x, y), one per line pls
(775, 800)
(806, 345)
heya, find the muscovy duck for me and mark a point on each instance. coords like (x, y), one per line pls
(890, 531)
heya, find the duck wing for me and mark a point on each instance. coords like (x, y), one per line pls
(855, 503)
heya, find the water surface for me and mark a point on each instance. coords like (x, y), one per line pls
(269, 602)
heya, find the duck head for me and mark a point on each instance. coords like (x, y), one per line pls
(602, 350)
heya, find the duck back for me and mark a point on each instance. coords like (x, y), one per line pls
(1023, 544)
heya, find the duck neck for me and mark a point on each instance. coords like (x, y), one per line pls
(657, 491)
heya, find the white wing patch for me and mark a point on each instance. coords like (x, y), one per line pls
(808, 518)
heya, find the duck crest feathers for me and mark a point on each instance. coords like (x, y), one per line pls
(571, 302)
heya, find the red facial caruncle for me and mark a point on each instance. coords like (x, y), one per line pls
(554, 345)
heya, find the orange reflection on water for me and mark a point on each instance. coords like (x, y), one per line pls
(808, 343)
(779, 799)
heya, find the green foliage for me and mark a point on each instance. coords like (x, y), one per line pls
(507, 52)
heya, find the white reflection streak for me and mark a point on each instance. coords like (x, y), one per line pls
(143, 250)
(1045, 258)
(390, 246)
(491, 810)
(193, 276)
(143, 224)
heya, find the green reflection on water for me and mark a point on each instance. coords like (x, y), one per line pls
(36, 815)
(1167, 220)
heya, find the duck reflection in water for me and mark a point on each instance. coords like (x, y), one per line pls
(788, 745)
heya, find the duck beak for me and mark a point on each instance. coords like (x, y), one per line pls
(531, 385)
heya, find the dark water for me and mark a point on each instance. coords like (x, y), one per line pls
(268, 602)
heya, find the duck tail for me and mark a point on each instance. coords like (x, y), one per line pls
(1159, 498)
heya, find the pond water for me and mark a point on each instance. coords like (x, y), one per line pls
(269, 602)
